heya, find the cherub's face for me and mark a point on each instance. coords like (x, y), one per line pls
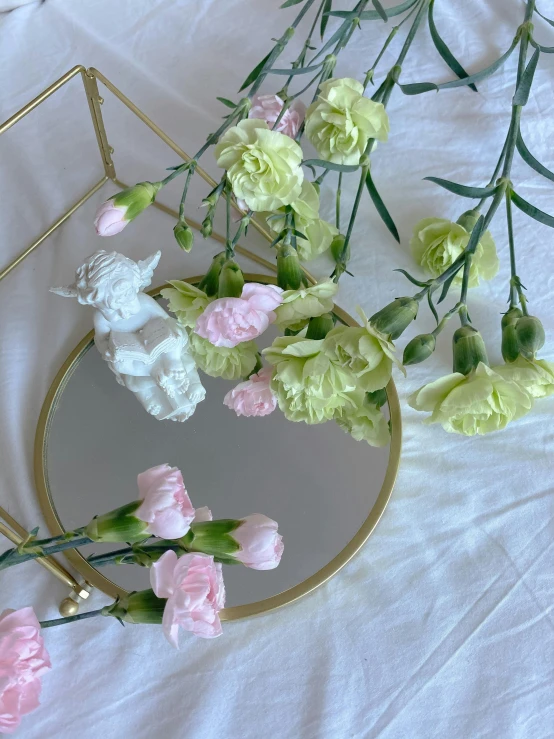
(115, 297)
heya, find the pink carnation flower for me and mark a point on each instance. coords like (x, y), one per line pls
(268, 107)
(193, 586)
(253, 397)
(230, 321)
(261, 544)
(166, 505)
(110, 219)
(23, 661)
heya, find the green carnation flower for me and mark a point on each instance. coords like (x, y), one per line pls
(185, 301)
(437, 243)
(299, 306)
(319, 233)
(262, 165)
(478, 403)
(219, 361)
(310, 385)
(367, 353)
(364, 422)
(341, 121)
(535, 376)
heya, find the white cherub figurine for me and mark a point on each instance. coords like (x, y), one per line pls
(144, 347)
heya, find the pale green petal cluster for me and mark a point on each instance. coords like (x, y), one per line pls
(219, 361)
(299, 306)
(364, 422)
(309, 384)
(437, 243)
(185, 301)
(319, 233)
(262, 165)
(535, 376)
(366, 352)
(478, 403)
(341, 121)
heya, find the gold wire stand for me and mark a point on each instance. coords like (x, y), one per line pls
(90, 78)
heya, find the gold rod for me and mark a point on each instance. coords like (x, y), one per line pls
(94, 103)
(52, 228)
(41, 98)
(19, 534)
(218, 237)
(165, 138)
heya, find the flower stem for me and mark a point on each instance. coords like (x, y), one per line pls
(337, 202)
(69, 619)
(43, 548)
(229, 248)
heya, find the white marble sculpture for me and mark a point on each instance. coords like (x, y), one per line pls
(144, 347)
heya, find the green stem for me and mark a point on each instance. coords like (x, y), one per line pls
(513, 289)
(370, 72)
(44, 547)
(353, 215)
(70, 619)
(127, 554)
(229, 248)
(337, 202)
(185, 190)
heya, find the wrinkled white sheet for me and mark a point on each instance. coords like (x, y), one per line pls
(443, 625)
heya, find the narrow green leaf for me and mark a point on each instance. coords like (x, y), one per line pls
(325, 17)
(373, 15)
(332, 40)
(432, 307)
(227, 102)
(416, 88)
(540, 47)
(444, 51)
(483, 74)
(380, 206)
(298, 70)
(521, 95)
(290, 3)
(532, 211)
(409, 277)
(380, 9)
(446, 288)
(254, 74)
(463, 190)
(330, 165)
(544, 17)
(299, 234)
(530, 159)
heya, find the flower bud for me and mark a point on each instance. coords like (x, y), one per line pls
(468, 349)
(530, 336)
(210, 282)
(118, 525)
(510, 344)
(468, 220)
(183, 235)
(289, 272)
(419, 349)
(337, 247)
(142, 607)
(113, 215)
(231, 280)
(319, 327)
(395, 317)
(207, 227)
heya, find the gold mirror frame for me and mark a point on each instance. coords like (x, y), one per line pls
(98, 580)
(90, 78)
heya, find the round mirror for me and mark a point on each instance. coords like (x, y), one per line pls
(326, 490)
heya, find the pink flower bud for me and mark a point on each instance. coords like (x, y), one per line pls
(193, 586)
(261, 544)
(23, 661)
(253, 397)
(110, 219)
(268, 107)
(166, 506)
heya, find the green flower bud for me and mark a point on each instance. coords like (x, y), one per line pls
(419, 349)
(337, 247)
(468, 220)
(135, 199)
(213, 537)
(530, 336)
(395, 317)
(210, 282)
(142, 607)
(289, 272)
(468, 349)
(183, 235)
(510, 344)
(118, 525)
(207, 227)
(231, 280)
(319, 327)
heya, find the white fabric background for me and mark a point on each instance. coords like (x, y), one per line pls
(443, 625)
